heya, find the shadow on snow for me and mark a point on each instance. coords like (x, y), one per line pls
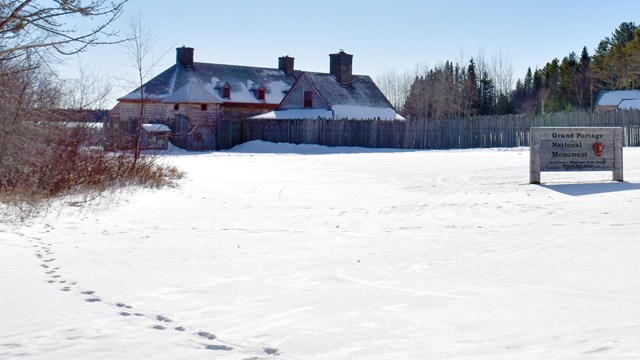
(582, 189)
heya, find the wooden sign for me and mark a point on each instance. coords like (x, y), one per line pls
(575, 149)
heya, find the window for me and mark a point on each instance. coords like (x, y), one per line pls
(176, 106)
(224, 89)
(203, 107)
(261, 94)
(308, 99)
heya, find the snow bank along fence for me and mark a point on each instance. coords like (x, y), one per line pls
(576, 149)
(457, 133)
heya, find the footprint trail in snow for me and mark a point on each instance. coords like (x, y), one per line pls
(206, 340)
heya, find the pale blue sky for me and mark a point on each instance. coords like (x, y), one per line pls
(382, 35)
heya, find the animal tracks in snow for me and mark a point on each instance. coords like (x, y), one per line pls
(162, 318)
(208, 341)
(206, 335)
(271, 351)
(218, 347)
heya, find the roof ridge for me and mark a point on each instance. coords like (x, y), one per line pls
(239, 66)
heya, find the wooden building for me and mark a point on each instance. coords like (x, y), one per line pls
(204, 93)
(190, 97)
(155, 137)
(337, 95)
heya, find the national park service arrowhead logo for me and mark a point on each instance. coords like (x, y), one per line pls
(598, 148)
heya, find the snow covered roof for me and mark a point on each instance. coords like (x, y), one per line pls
(192, 92)
(210, 78)
(310, 114)
(615, 97)
(630, 104)
(363, 92)
(361, 100)
(155, 128)
(336, 112)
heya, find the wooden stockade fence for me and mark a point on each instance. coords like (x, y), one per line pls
(460, 133)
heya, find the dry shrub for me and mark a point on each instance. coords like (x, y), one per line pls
(40, 158)
(67, 166)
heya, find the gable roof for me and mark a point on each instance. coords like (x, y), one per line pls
(632, 104)
(360, 100)
(362, 92)
(615, 97)
(204, 76)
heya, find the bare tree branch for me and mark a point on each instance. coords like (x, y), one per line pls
(32, 25)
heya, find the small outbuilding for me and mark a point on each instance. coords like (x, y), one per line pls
(617, 99)
(192, 97)
(155, 137)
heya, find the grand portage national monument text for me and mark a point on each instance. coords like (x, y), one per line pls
(576, 149)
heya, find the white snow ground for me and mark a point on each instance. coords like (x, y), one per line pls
(276, 251)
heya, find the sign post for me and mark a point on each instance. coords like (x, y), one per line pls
(575, 149)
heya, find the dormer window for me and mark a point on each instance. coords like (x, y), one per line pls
(224, 89)
(258, 91)
(308, 99)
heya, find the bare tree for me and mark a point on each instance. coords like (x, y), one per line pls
(87, 91)
(543, 96)
(502, 73)
(139, 49)
(25, 97)
(37, 26)
(395, 86)
(29, 31)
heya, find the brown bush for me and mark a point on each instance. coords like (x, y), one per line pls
(64, 165)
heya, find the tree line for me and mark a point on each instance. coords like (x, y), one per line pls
(484, 86)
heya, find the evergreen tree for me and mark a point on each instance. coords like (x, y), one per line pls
(624, 33)
(503, 105)
(632, 53)
(528, 83)
(487, 94)
(568, 70)
(471, 91)
(582, 81)
(537, 81)
(552, 77)
(600, 68)
(523, 98)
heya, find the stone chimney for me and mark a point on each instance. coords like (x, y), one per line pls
(285, 63)
(184, 57)
(341, 67)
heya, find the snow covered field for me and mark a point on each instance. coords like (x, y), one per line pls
(276, 251)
